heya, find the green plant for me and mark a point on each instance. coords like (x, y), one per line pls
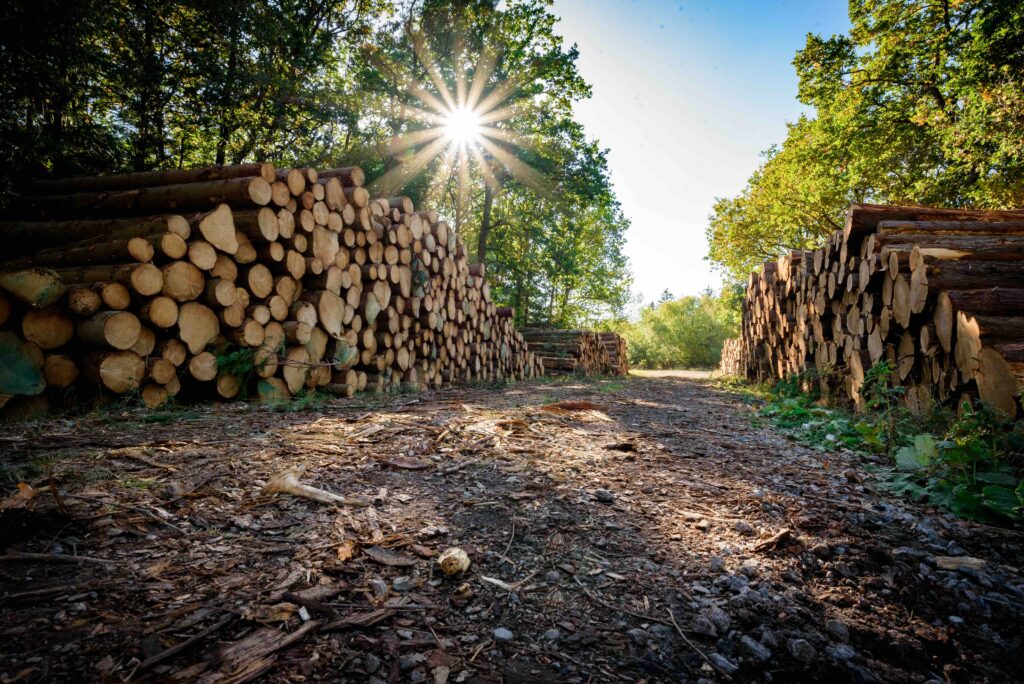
(970, 469)
(967, 470)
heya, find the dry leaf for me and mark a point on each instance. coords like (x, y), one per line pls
(346, 549)
(19, 498)
(387, 557)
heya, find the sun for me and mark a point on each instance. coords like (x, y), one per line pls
(462, 125)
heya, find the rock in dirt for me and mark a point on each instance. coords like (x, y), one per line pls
(720, 619)
(838, 630)
(754, 650)
(840, 651)
(723, 663)
(604, 496)
(638, 636)
(802, 650)
(502, 634)
(404, 583)
(702, 625)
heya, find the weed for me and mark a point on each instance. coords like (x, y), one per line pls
(961, 462)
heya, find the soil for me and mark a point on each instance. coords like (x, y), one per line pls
(636, 529)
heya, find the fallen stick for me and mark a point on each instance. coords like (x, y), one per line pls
(287, 482)
(178, 648)
(54, 558)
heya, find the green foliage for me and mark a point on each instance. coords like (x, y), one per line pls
(684, 333)
(964, 462)
(966, 470)
(921, 103)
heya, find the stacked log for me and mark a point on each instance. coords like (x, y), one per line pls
(568, 351)
(242, 280)
(615, 345)
(939, 293)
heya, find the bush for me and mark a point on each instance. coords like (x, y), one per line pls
(683, 333)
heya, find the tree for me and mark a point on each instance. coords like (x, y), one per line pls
(683, 333)
(922, 102)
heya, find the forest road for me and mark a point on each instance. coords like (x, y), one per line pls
(627, 529)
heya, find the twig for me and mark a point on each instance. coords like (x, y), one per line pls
(137, 509)
(510, 539)
(650, 618)
(178, 648)
(639, 616)
(54, 558)
(697, 648)
(61, 589)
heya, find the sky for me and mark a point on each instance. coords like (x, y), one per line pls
(686, 96)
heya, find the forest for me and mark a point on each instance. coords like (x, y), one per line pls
(132, 86)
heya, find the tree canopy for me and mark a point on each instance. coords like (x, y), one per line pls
(128, 86)
(921, 102)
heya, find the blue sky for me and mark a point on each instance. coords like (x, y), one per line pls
(686, 96)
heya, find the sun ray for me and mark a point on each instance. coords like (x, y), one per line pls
(521, 171)
(503, 92)
(485, 168)
(414, 138)
(482, 74)
(397, 177)
(460, 70)
(511, 137)
(422, 52)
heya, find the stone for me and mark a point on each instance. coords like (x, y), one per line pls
(604, 496)
(720, 619)
(717, 563)
(502, 634)
(638, 636)
(752, 649)
(838, 630)
(743, 527)
(802, 650)
(411, 660)
(702, 625)
(723, 663)
(553, 577)
(840, 651)
(662, 631)
(551, 635)
(378, 586)
(371, 663)
(404, 583)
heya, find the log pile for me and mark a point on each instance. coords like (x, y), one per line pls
(939, 293)
(240, 280)
(615, 345)
(565, 352)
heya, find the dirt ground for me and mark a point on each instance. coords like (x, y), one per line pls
(635, 529)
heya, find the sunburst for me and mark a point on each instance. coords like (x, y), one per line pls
(463, 127)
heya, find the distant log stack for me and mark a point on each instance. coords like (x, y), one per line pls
(939, 293)
(237, 281)
(569, 351)
(615, 345)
